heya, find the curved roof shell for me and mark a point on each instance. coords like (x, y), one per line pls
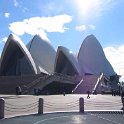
(66, 62)
(92, 59)
(43, 54)
(15, 56)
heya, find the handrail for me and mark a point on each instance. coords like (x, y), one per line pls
(30, 85)
(81, 81)
(55, 76)
(98, 81)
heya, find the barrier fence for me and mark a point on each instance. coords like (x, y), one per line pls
(21, 108)
(52, 106)
(41, 104)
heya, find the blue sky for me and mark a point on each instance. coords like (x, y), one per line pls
(67, 23)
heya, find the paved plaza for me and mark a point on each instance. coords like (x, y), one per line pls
(67, 118)
(104, 109)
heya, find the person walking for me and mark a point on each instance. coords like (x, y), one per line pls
(88, 94)
(18, 90)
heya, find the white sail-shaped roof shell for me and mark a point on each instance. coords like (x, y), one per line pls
(62, 51)
(43, 54)
(14, 42)
(92, 59)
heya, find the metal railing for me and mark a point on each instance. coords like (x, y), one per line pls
(97, 83)
(48, 78)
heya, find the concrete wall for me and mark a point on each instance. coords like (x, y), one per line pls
(9, 83)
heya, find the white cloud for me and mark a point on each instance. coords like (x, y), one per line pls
(7, 14)
(43, 35)
(40, 25)
(81, 28)
(4, 39)
(92, 8)
(116, 58)
(16, 4)
(19, 4)
(85, 27)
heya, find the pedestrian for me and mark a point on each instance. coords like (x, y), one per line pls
(35, 91)
(88, 94)
(114, 93)
(19, 90)
(63, 93)
(39, 92)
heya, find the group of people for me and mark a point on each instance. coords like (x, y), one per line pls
(122, 96)
(117, 93)
(37, 91)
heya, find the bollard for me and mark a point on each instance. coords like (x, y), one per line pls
(81, 105)
(40, 107)
(2, 106)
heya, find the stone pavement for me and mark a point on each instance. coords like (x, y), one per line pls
(103, 109)
(67, 118)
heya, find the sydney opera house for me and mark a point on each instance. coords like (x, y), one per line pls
(38, 65)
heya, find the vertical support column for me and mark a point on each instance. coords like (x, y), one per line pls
(40, 107)
(81, 105)
(2, 107)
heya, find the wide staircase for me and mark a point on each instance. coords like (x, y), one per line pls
(27, 88)
(88, 82)
(43, 81)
